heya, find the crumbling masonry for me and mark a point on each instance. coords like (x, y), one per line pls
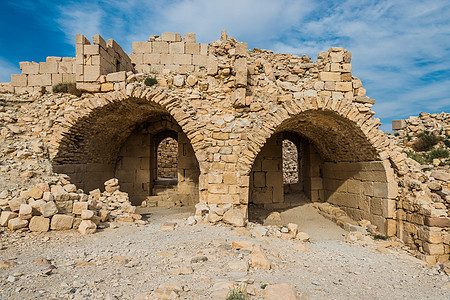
(229, 109)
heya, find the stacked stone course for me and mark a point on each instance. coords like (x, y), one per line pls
(433, 123)
(229, 118)
(44, 74)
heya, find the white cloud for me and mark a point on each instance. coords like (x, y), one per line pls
(84, 18)
(6, 69)
(399, 47)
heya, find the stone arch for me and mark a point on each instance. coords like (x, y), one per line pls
(346, 160)
(94, 135)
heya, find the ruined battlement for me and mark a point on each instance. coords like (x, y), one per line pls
(228, 111)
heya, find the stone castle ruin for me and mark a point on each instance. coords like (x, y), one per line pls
(211, 133)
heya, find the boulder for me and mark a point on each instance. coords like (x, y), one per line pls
(35, 193)
(78, 207)
(234, 217)
(39, 224)
(17, 223)
(244, 245)
(258, 259)
(87, 227)
(87, 214)
(6, 216)
(61, 222)
(15, 203)
(48, 209)
(25, 212)
(281, 291)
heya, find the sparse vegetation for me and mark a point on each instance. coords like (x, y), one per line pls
(149, 81)
(238, 293)
(67, 87)
(425, 142)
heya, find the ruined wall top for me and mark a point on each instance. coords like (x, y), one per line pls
(433, 123)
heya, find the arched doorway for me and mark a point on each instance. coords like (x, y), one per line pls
(121, 139)
(336, 164)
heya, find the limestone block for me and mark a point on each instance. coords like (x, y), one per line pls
(65, 67)
(39, 224)
(234, 217)
(398, 124)
(48, 209)
(329, 76)
(192, 48)
(57, 78)
(170, 37)
(107, 87)
(167, 59)
(259, 179)
(203, 49)
(87, 227)
(61, 222)
(241, 49)
(78, 207)
(40, 80)
(344, 86)
(189, 37)
(200, 60)
(176, 48)
(87, 214)
(81, 39)
(212, 67)
(69, 77)
(48, 67)
(364, 100)
(241, 72)
(6, 216)
(142, 47)
(160, 47)
(88, 86)
(116, 77)
(14, 204)
(434, 249)
(182, 59)
(270, 165)
(337, 56)
(151, 58)
(25, 211)
(29, 67)
(17, 223)
(280, 291)
(19, 80)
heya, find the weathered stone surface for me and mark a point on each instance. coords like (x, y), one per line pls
(87, 227)
(48, 209)
(61, 222)
(234, 217)
(39, 224)
(17, 223)
(258, 259)
(6, 216)
(281, 291)
(78, 207)
(25, 212)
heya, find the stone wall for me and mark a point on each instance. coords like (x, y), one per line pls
(99, 58)
(231, 118)
(167, 158)
(170, 52)
(433, 123)
(34, 75)
(290, 162)
(364, 191)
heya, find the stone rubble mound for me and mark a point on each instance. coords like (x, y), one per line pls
(61, 206)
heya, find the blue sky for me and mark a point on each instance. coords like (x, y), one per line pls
(400, 49)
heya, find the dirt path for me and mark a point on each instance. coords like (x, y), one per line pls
(131, 262)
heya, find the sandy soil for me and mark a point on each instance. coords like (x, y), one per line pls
(131, 262)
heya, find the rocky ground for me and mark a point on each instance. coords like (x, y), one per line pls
(132, 261)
